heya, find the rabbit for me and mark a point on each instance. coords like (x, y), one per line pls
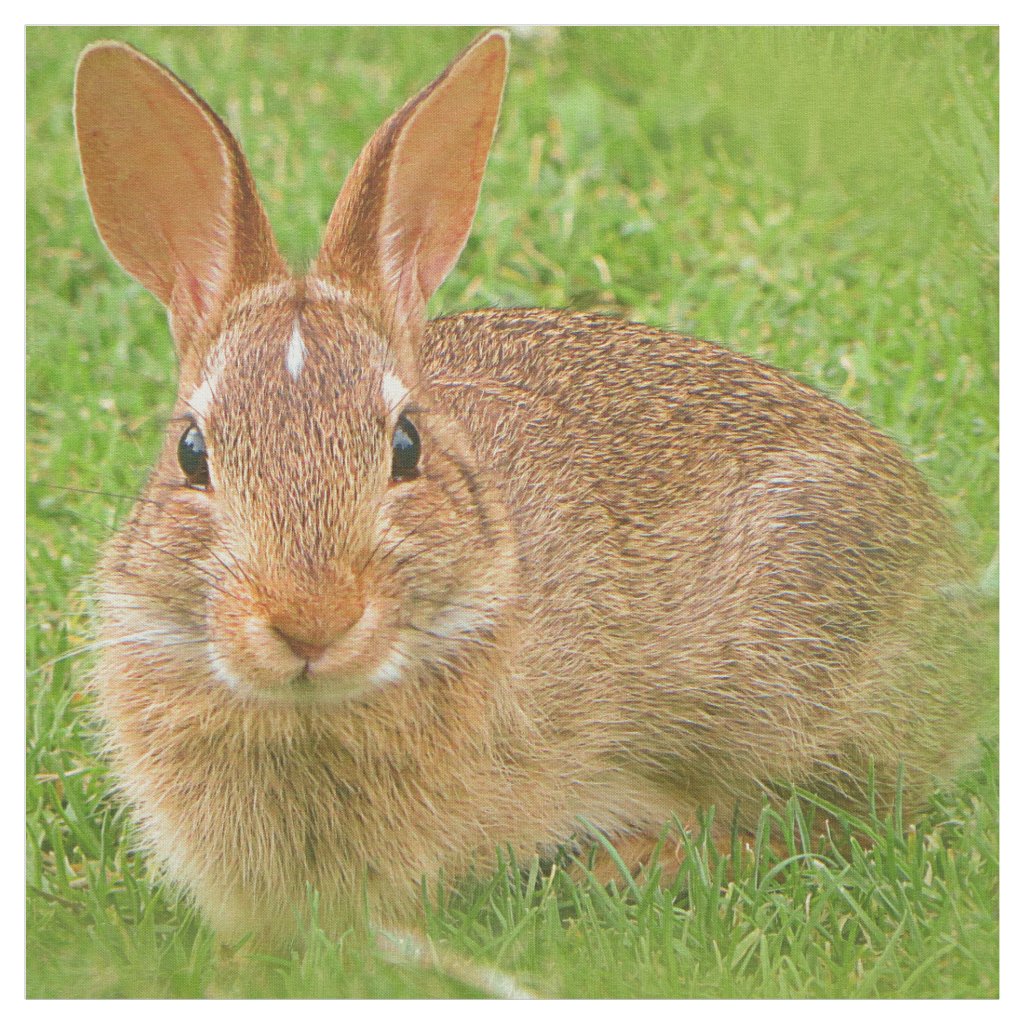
(401, 594)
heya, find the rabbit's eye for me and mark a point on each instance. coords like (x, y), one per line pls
(405, 450)
(192, 457)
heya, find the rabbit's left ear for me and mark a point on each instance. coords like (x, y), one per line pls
(407, 206)
(170, 191)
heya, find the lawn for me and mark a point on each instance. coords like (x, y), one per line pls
(825, 200)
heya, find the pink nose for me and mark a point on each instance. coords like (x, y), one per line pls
(310, 632)
(310, 616)
(307, 650)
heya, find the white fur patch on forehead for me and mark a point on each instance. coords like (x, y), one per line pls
(394, 391)
(295, 355)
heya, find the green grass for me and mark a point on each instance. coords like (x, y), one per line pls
(823, 199)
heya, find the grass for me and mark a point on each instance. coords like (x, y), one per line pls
(822, 199)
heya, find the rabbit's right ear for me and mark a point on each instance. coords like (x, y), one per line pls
(170, 191)
(406, 208)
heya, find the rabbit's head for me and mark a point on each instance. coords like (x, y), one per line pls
(316, 526)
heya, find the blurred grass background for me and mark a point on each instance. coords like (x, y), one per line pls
(823, 199)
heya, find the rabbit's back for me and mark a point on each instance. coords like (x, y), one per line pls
(748, 567)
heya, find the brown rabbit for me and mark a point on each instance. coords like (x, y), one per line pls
(401, 593)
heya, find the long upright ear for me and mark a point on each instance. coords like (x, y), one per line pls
(170, 191)
(405, 211)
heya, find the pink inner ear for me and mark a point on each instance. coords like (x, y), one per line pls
(436, 173)
(156, 169)
(193, 289)
(170, 192)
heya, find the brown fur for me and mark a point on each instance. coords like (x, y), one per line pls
(637, 575)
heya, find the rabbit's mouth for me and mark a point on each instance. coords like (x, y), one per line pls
(382, 649)
(260, 661)
(308, 685)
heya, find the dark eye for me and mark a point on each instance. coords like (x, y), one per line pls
(405, 450)
(192, 457)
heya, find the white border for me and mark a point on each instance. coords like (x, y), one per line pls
(12, 67)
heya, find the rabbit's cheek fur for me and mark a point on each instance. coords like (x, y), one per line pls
(452, 561)
(160, 613)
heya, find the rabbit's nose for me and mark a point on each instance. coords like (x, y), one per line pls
(307, 650)
(308, 637)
